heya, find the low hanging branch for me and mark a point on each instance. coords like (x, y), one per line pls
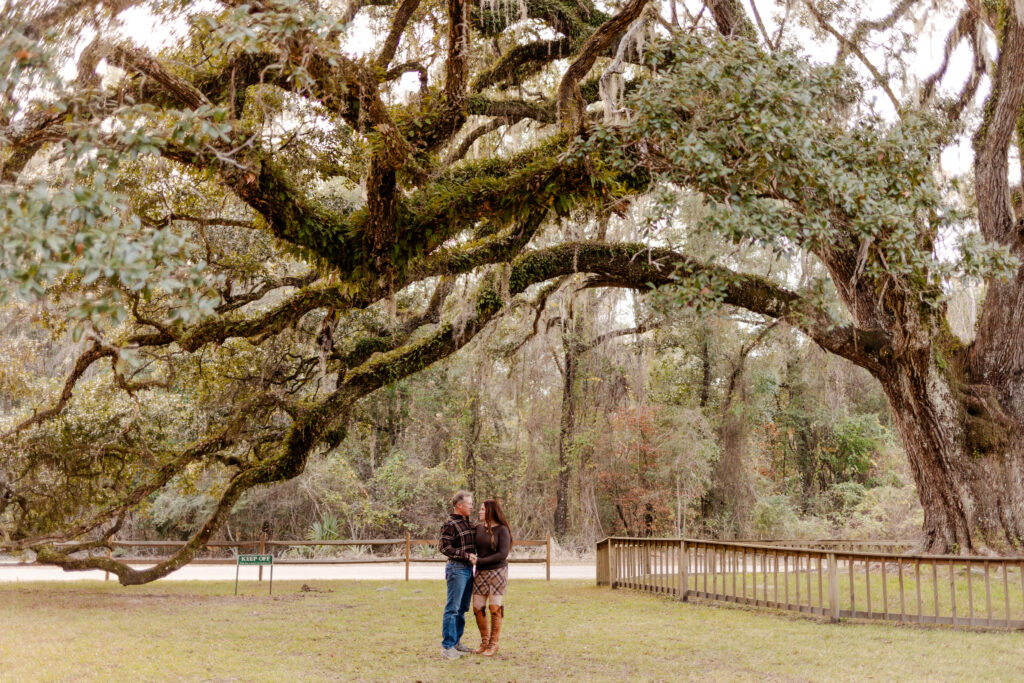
(196, 452)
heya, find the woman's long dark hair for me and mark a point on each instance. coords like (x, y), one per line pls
(494, 515)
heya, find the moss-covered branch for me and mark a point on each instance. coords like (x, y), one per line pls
(621, 265)
(221, 439)
(522, 61)
(639, 267)
(543, 112)
(575, 19)
(85, 360)
(398, 24)
(344, 296)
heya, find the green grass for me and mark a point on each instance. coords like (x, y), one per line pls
(391, 631)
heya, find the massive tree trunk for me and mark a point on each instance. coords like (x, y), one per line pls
(961, 412)
(927, 416)
(958, 410)
(968, 473)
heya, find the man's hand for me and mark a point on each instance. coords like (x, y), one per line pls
(472, 558)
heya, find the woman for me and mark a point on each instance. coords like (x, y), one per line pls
(493, 541)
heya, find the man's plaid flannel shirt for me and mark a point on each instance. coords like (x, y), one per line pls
(458, 539)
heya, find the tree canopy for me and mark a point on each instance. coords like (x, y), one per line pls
(296, 203)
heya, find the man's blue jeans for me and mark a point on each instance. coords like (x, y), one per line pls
(459, 577)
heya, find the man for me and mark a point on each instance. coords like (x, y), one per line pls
(457, 544)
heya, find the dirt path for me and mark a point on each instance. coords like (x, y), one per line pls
(297, 572)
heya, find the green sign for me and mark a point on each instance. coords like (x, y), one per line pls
(258, 561)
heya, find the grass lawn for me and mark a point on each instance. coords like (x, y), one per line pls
(391, 631)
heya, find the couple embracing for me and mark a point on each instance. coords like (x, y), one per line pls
(477, 570)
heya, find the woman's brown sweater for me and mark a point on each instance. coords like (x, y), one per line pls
(492, 555)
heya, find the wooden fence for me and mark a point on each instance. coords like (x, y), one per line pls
(264, 545)
(986, 592)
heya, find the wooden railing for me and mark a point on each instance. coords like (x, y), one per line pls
(264, 545)
(926, 589)
(841, 544)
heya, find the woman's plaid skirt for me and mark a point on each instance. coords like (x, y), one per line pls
(490, 581)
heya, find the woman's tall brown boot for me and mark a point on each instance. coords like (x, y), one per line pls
(485, 630)
(497, 614)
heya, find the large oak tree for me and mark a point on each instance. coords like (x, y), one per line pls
(288, 198)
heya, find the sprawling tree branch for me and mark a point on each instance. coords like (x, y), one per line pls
(570, 101)
(620, 265)
(195, 452)
(444, 262)
(849, 45)
(398, 24)
(646, 268)
(521, 61)
(95, 351)
(998, 350)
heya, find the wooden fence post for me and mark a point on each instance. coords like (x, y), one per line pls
(548, 559)
(613, 563)
(684, 584)
(263, 549)
(406, 555)
(110, 554)
(833, 588)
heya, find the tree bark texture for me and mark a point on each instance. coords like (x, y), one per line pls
(572, 346)
(969, 477)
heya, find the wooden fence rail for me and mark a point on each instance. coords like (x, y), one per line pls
(840, 544)
(986, 592)
(263, 545)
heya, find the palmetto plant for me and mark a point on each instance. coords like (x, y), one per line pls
(324, 529)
